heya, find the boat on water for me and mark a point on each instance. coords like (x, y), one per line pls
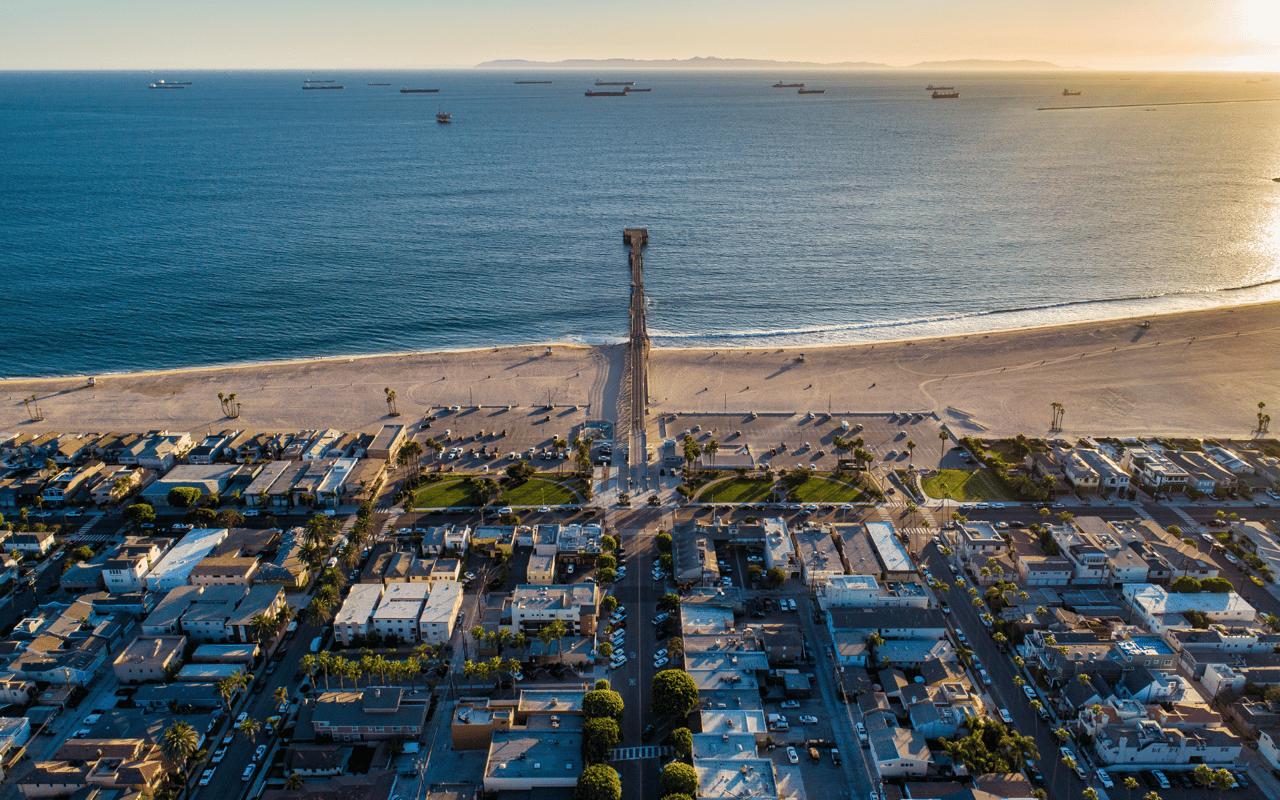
(1069, 93)
(419, 91)
(932, 88)
(781, 85)
(163, 85)
(630, 90)
(812, 91)
(323, 86)
(443, 117)
(615, 83)
(594, 93)
(317, 80)
(531, 83)
(379, 84)
(944, 95)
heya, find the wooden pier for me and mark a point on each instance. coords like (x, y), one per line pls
(636, 380)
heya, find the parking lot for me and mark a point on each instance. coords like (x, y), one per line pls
(494, 437)
(785, 441)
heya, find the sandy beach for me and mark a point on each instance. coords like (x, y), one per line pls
(1195, 373)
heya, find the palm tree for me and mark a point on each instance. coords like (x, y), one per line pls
(178, 743)
(1151, 796)
(250, 727)
(911, 448)
(294, 782)
(1130, 783)
(391, 401)
(1224, 779)
(1262, 427)
(281, 695)
(712, 447)
(318, 609)
(1037, 706)
(261, 627)
(1089, 793)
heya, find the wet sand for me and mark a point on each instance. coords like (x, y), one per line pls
(1195, 373)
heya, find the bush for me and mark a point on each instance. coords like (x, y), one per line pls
(82, 553)
(1216, 585)
(1184, 585)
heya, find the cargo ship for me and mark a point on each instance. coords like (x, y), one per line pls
(781, 85)
(163, 85)
(419, 91)
(812, 91)
(531, 83)
(615, 83)
(1069, 93)
(932, 88)
(325, 86)
(594, 93)
(379, 84)
(317, 80)
(443, 117)
(944, 95)
(632, 91)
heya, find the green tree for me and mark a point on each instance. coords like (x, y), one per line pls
(1151, 796)
(294, 782)
(391, 401)
(663, 542)
(1185, 585)
(775, 577)
(608, 543)
(682, 741)
(673, 694)
(606, 576)
(669, 602)
(602, 703)
(608, 605)
(598, 782)
(606, 649)
(1216, 585)
(202, 517)
(229, 518)
(183, 496)
(1203, 775)
(82, 553)
(678, 778)
(139, 514)
(599, 736)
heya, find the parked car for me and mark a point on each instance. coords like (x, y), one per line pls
(792, 755)
(1105, 779)
(806, 719)
(790, 703)
(206, 777)
(1004, 715)
(248, 772)
(647, 734)
(218, 755)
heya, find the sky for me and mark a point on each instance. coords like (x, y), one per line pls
(296, 34)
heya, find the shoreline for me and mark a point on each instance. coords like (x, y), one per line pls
(1198, 373)
(302, 360)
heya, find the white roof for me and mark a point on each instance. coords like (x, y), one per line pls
(360, 604)
(176, 566)
(892, 554)
(442, 603)
(1156, 600)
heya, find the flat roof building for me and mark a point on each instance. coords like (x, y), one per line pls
(177, 565)
(894, 559)
(817, 554)
(523, 760)
(352, 621)
(440, 613)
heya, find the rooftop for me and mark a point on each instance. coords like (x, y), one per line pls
(515, 754)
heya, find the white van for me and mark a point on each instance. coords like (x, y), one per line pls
(315, 644)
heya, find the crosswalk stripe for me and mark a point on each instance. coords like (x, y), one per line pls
(639, 753)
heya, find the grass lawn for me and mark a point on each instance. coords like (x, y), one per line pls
(821, 490)
(444, 495)
(737, 490)
(537, 492)
(961, 484)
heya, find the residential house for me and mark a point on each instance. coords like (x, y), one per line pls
(440, 613)
(352, 622)
(1153, 470)
(531, 607)
(150, 659)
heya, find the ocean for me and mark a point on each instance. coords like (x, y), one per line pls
(242, 219)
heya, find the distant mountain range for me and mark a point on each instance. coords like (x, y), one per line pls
(1022, 65)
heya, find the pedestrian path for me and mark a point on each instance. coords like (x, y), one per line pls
(639, 753)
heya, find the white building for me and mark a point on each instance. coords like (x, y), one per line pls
(817, 554)
(398, 612)
(978, 541)
(176, 566)
(1160, 609)
(778, 551)
(440, 613)
(864, 591)
(533, 607)
(352, 620)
